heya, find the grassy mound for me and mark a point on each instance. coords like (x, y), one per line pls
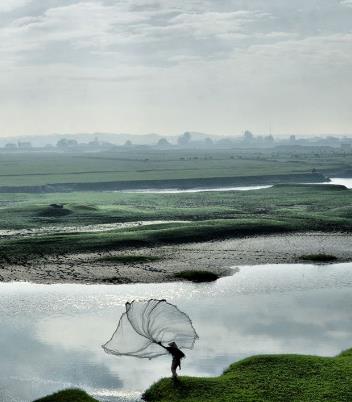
(197, 276)
(54, 211)
(271, 378)
(128, 259)
(69, 395)
(318, 258)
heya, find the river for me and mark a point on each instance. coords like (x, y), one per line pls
(51, 334)
(335, 180)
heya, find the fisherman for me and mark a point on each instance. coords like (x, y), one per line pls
(176, 354)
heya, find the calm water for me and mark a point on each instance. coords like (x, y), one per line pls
(51, 335)
(335, 180)
(194, 190)
(344, 182)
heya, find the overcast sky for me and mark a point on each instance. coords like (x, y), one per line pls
(139, 66)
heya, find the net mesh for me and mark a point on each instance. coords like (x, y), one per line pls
(144, 324)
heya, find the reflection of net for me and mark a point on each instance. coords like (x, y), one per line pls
(147, 322)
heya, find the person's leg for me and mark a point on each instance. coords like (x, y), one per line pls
(173, 369)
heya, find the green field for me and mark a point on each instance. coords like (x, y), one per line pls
(200, 216)
(145, 164)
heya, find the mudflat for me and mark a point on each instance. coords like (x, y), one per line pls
(160, 264)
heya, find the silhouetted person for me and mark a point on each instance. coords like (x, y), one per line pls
(176, 354)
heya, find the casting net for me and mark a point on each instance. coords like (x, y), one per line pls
(147, 322)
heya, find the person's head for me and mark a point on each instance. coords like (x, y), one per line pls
(173, 345)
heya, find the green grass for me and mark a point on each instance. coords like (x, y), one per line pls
(148, 236)
(69, 395)
(274, 378)
(318, 257)
(197, 276)
(128, 259)
(128, 165)
(280, 209)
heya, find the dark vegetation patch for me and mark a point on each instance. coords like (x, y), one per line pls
(197, 276)
(54, 211)
(318, 257)
(128, 259)
(326, 187)
(115, 280)
(69, 395)
(274, 378)
(84, 207)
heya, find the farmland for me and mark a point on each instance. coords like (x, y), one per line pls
(33, 170)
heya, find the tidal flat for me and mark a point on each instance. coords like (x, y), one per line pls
(162, 263)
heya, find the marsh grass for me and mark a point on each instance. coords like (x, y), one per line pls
(281, 209)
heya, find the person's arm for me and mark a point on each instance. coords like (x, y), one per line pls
(160, 344)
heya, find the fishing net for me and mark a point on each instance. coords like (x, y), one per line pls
(144, 324)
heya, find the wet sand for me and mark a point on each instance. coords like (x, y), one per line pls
(216, 256)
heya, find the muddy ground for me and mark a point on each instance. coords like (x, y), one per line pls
(217, 256)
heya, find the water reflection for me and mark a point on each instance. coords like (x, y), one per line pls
(51, 335)
(343, 181)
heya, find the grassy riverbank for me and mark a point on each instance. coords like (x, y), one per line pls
(271, 378)
(266, 378)
(281, 209)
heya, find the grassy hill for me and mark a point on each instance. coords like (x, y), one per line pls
(274, 378)
(69, 395)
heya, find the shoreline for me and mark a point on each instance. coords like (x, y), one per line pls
(218, 256)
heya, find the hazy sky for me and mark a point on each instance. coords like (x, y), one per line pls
(138, 66)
